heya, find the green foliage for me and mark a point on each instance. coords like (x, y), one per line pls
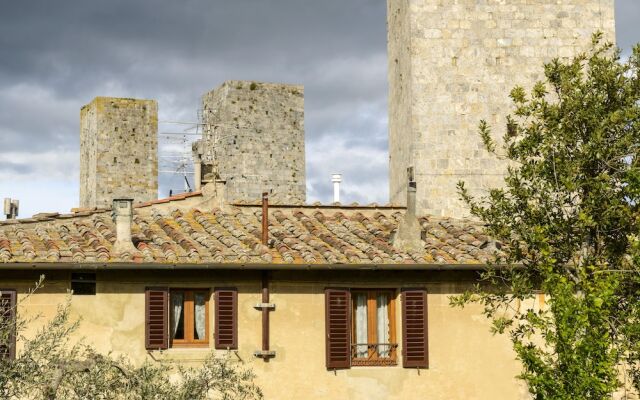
(568, 218)
(52, 365)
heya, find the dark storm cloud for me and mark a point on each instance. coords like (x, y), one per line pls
(56, 56)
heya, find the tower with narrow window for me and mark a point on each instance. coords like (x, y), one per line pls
(453, 63)
(118, 151)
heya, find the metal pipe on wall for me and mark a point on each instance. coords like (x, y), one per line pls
(265, 312)
(265, 218)
(265, 306)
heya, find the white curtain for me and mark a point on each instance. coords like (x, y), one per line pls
(199, 299)
(177, 301)
(361, 326)
(382, 328)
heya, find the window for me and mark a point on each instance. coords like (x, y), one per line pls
(83, 283)
(373, 335)
(360, 328)
(189, 316)
(8, 320)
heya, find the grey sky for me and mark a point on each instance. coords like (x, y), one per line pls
(56, 56)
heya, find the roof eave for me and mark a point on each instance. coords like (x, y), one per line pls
(241, 267)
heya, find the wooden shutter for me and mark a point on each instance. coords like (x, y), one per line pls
(8, 318)
(156, 318)
(338, 328)
(226, 318)
(415, 350)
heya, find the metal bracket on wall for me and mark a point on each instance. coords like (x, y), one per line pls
(268, 306)
(264, 354)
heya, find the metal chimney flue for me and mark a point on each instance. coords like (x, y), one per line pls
(122, 214)
(411, 199)
(265, 218)
(336, 179)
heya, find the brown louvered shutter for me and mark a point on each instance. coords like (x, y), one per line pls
(415, 349)
(157, 318)
(226, 318)
(338, 328)
(8, 319)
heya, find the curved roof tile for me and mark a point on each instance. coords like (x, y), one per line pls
(322, 235)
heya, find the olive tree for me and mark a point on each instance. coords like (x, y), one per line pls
(568, 219)
(53, 364)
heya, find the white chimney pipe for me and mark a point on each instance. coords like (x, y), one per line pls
(336, 179)
(122, 213)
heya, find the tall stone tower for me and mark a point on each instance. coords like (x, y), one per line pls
(453, 63)
(118, 151)
(253, 138)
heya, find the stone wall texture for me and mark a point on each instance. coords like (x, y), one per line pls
(453, 63)
(118, 151)
(253, 138)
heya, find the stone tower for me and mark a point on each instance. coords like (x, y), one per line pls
(453, 63)
(253, 138)
(118, 151)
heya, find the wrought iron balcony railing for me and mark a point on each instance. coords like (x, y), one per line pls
(373, 353)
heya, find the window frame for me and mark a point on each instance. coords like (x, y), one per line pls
(373, 359)
(10, 314)
(189, 318)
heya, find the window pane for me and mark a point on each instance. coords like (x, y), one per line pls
(177, 315)
(200, 316)
(361, 325)
(382, 328)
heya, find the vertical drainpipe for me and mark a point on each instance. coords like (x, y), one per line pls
(265, 306)
(265, 313)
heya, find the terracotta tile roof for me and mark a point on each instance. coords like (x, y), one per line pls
(297, 235)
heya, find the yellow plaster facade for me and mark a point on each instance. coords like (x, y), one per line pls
(465, 360)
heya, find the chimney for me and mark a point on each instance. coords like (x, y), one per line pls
(336, 179)
(408, 236)
(122, 213)
(11, 208)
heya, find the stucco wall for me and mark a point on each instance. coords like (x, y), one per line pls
(466, 361)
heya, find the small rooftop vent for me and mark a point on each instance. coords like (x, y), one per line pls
(11, 208)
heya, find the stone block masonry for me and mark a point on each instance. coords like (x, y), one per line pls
(253, 138)
(453, 63)
(118, 151)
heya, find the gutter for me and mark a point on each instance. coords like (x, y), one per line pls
(243, 267)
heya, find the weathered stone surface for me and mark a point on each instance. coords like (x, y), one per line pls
(453, 63)
(253, 138)
(118, 151)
